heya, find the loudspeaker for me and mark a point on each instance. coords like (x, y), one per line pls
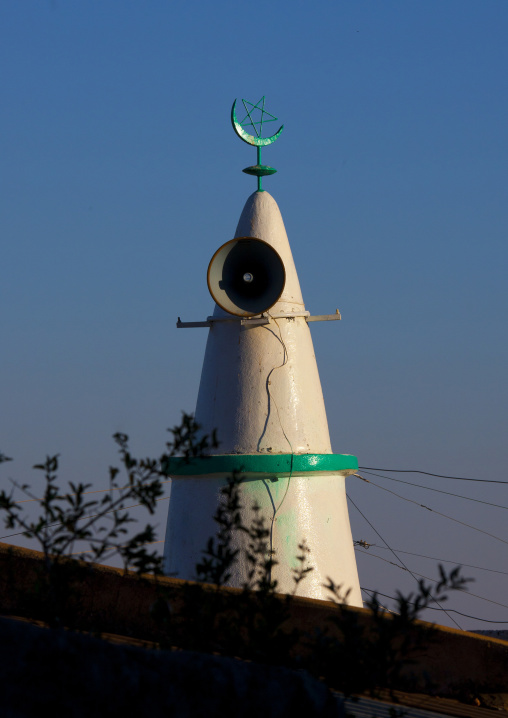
(246, 276)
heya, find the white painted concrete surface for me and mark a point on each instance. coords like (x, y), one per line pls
(260, 390)
(314, 508)
(260, 386)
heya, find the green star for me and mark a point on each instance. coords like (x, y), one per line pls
(248, 119)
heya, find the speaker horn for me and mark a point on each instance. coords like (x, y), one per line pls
(246, 276)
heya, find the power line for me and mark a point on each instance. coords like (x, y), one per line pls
(428, 578)
(397, 557)
(385, 608)
(443, 560)
(416, 503)
(82, 518)
(363, 468)
(428, 473)
(433, 608)
(149, 543)
(87, 493)
(439, 491)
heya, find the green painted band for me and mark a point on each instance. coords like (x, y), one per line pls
(262, 464)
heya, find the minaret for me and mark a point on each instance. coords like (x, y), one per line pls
(260, 390)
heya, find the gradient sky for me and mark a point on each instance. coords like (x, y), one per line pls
(121, 176)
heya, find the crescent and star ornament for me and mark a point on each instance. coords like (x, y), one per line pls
(257, 110)
(248, 120)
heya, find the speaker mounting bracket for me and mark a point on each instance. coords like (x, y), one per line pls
(265, 318)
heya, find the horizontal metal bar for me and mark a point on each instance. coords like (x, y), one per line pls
(210, 322)
(264, 319)
(191, 325)
(232, 318)
(258, 321)
(289, 315)
(325, 317)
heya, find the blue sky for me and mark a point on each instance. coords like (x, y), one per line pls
(121, 176)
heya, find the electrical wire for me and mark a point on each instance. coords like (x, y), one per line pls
(428, 473)
(149, 543)
(285, 359)
(433, 608)
(439, 491)
(87, 493)
(398, 558)
(385, 608)
(363, 468)
(428, 578)
(416, 503)
(91, 516)
(442, 560)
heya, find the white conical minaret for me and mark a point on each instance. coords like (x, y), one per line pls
(260, 390)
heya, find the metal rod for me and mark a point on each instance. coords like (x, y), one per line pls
(260, 189)
(265, 319)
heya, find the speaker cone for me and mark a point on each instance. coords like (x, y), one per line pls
(246, 276)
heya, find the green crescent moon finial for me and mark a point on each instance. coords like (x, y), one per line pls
(258, 170)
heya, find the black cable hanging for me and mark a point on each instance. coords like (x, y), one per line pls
(82, 518)
(428, 578)
(423, 506)
(428, 473)
(439, 491)
(400, 560)
(433, 558)
(433, 608)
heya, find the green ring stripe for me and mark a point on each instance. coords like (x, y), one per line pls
(262, 464)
